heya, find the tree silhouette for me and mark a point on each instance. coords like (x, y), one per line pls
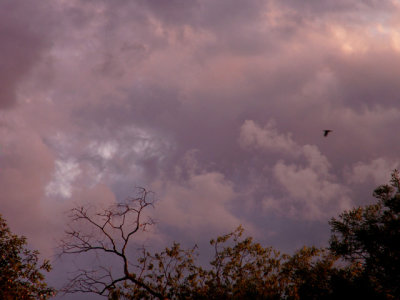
(362, 262)
(369, 236)
(108, 232)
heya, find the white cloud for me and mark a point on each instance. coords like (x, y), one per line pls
(201, 202)
(315, 159)
(378, 170)
(267, 138)
(65, 173)
(310, 190)
(105, 150)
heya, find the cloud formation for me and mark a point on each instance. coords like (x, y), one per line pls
(311, 190)
(218, 106)
(25, 37)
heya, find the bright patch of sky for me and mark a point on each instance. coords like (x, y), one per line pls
(105, 150)
(64, 175)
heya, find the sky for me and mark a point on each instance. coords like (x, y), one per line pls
(218, 107)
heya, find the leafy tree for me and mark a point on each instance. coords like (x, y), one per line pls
(244, 269)
(240, 269)
(307, 274)
(312, 273)
(170, 273)
(369, 236)
(20, 273)
(362, 262)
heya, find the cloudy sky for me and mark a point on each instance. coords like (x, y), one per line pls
(216, 106)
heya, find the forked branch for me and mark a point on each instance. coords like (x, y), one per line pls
(109, 231)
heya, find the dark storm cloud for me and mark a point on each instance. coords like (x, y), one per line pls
(25, 29)
(341, 6)
(365, 81)
(218, 106)
(311, 74)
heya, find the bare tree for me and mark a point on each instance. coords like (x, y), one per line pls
(108, 232)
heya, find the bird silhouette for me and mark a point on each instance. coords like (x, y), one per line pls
(326, 132)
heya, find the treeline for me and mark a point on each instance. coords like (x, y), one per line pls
(361, 262)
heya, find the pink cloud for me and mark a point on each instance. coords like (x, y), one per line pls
(123, 91)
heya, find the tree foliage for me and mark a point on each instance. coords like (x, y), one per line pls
(362, 261)
(370, 236)
(21, 274)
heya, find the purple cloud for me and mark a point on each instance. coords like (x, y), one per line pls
(218, 107)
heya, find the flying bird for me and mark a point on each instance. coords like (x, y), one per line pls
(326, 132)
